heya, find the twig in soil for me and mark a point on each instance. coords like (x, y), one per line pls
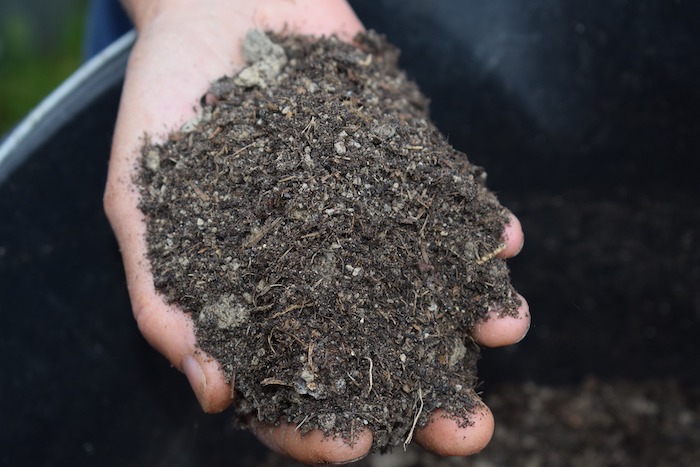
(274, 381)
(269, 341)
(302, 422)
(367, 61)
(353, 379)
(289, 334)
(215, 132)
(200, 194)
(371, 365)
(415, 419)
(310, 359)
(284, 254)
(260, 234)
(243, 149)
(492, 254)
(310, 235)
(308, 127)
(296, 306)
(422, 229)
(287, 179)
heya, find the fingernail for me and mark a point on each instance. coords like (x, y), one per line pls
(195, 375)
(343, 462)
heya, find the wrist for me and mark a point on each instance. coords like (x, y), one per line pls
(317, 17)
(145, 12)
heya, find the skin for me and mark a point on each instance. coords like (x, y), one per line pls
(182, 46)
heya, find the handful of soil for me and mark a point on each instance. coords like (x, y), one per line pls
(334, 250)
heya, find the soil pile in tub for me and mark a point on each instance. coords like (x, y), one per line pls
(333, 249)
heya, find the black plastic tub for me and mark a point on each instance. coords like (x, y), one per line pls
(585, 115)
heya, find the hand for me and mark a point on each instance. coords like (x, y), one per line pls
(183, 46)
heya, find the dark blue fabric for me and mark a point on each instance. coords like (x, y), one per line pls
(107, 21)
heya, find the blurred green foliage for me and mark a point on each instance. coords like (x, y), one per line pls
(35, 60)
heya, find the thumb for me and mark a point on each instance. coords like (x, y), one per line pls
(208, 382)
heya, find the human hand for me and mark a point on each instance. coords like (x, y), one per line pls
(183, 46)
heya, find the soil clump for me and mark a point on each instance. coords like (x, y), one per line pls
(334, 250)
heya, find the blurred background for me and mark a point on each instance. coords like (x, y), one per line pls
(40, 46)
